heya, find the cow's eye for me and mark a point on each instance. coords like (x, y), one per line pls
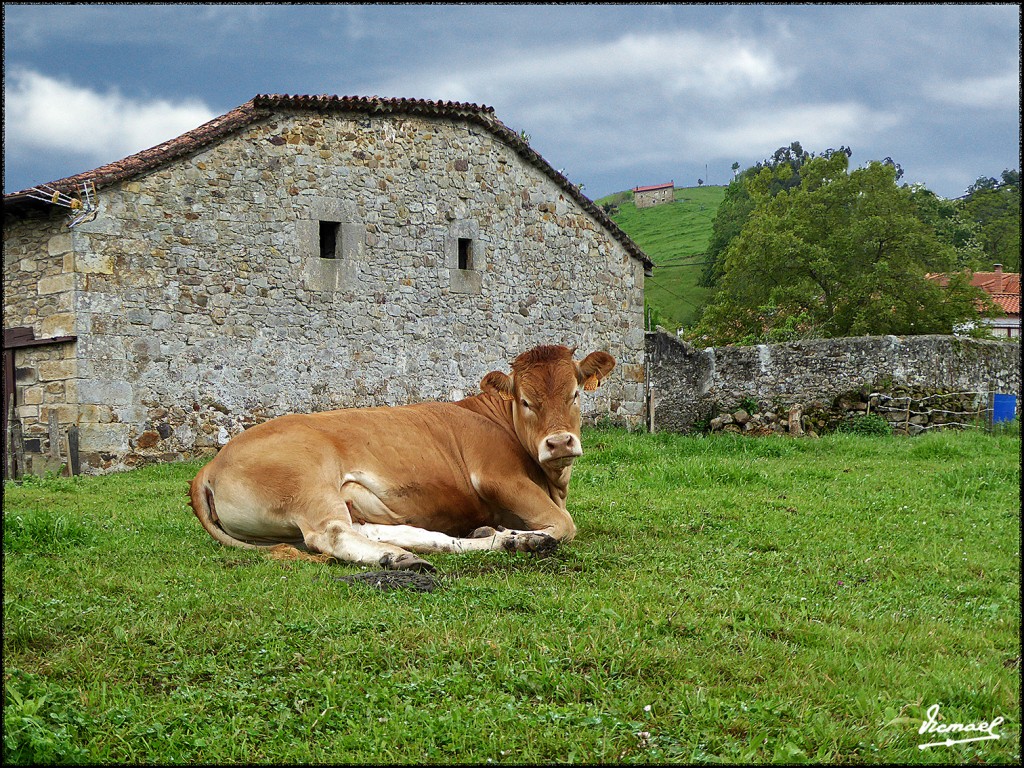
(525, 403)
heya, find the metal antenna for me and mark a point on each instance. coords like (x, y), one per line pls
(83, 204)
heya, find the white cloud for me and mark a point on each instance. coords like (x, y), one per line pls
(46, 114)
(813, 125)
(666, 65)
(994, 91)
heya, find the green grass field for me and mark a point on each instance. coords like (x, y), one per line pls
(727, 599)
(675, 236)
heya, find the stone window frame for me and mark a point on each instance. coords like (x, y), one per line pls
(464, 257)
(325, 273)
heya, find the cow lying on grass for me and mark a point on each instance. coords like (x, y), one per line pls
(374, 485)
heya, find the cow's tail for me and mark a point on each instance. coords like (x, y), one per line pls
(201, 499)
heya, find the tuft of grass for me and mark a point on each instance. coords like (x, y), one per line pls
(727, 599)
(869, 424)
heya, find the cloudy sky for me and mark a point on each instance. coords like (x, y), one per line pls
(615, 96)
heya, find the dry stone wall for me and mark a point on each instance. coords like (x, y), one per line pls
(202, 304)
(913, 382)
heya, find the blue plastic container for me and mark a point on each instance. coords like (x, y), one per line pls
(1004, 408)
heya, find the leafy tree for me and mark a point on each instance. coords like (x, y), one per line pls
(841, 254)
(784, 165)
(952, 226)
(994, 207)
(732, 214)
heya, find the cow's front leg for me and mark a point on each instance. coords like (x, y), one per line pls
(327, 527)
(531, 509)
(339, 539)
(482, 539)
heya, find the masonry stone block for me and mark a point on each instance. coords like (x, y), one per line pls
(55, 284)
(61, 324)
(59, 244)
(104, 392)
(52, 370)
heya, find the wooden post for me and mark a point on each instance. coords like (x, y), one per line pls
(17, 450)
(8, 437)
(650, 410)
(54, 432)
(74, 463)
(796, 429)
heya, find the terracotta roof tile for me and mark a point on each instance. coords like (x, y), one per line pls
(265, 105)
(1008, 302)
(669, 185)
(997, 282)
(1002, 287)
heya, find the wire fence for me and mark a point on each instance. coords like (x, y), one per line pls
(915, 414)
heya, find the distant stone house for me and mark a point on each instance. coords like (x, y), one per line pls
(645, 197)
(302, 253)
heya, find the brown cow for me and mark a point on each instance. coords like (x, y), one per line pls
(373, 485)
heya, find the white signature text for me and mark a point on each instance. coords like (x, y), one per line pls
(932, 725)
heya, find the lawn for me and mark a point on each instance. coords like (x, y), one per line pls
(675, 236)
(727, 599)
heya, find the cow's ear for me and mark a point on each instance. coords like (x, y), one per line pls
(593, 368)
(498, 383)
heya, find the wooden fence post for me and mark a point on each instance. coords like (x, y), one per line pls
(74, 465)
(53, 428)
(17, 450)
(9, 462)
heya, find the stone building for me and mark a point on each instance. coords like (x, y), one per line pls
(302, 253)
(645, 197)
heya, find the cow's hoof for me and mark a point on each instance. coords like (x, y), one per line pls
(406, 562)
(538, 543)
(546, 546)
(484, 532)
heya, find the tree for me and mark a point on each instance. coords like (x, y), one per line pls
(842, 254)
(994, 207)
(951, 224)
(784, 164)
(732, 214)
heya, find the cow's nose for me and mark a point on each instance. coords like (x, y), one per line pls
(564, 441)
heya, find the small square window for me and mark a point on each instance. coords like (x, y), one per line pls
(329, 231)
(465, 253)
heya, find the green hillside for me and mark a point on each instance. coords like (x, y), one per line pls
(675, 236)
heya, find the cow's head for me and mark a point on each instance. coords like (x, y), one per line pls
(544, 391)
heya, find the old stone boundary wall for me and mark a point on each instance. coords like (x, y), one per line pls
(822, 381)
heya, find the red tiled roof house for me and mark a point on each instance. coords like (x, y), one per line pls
(1003, 289)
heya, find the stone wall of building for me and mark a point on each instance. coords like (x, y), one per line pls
(202, 303)
(822, 378)
(645, 198)
(39, 291)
